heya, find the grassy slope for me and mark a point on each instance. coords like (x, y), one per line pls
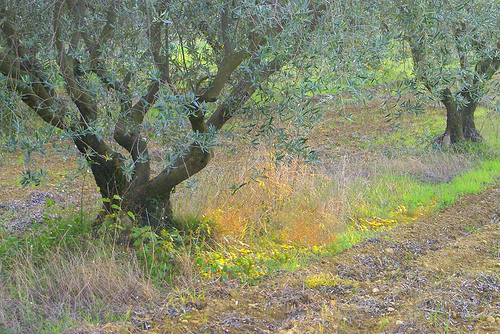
(370, 177)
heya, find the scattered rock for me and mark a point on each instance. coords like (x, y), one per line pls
(399, 323)
(390, 309)
(21, 214)
(389, 251)
(375, 290)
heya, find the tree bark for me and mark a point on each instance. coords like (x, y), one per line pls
(469, 127)
(460, 125)
(453, 118)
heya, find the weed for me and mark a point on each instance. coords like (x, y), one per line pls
(160, 253)
(383, 322)
(249, 264)
(470, 229)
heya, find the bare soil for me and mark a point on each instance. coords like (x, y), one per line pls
(437, 275)
(21, 208)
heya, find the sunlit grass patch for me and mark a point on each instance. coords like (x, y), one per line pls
(251, 263)
(391, 70)
(260, 199)
(405, 198)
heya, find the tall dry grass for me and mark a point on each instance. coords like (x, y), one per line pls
(70, 287)
(251, 196)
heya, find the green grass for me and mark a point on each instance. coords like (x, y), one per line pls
(389, 192)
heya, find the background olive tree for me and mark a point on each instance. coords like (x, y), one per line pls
(116, 76)
(454, 49)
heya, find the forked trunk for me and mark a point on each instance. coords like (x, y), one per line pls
(149, 202)
(460, 124)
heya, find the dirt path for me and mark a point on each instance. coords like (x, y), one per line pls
(439, 275)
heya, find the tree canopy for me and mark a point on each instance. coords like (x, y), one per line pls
(114, 75)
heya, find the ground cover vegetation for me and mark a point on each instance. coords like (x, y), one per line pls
(317, 139)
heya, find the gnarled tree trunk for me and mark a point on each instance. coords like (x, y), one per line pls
(460, 124)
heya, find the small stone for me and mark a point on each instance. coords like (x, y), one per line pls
(184, 321)
(399, 323)
(390, 309)
(454, 315)
(389, 251)
(490, 319)
(375, 290)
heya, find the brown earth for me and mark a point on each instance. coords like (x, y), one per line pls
(438, 275)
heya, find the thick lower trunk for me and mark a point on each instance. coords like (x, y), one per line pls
(150, 203)
(106, 169)
(149, 211)
(453, 118)
(468, 126)
(454, 124)
(460, 124)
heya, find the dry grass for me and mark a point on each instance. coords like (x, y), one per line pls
(311, 203)
(303, 203)
(257, 196)
(70, 287)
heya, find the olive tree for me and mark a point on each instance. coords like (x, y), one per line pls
(454, 48)
(114, 75)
